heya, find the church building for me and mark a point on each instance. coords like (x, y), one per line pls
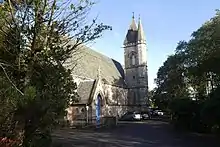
(106, 88)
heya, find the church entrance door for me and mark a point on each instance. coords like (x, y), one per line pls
(98, 110)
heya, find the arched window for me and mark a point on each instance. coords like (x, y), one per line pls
(77, 110)
(82, 110)
(132, 59)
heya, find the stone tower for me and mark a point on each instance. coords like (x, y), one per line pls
(135, 60)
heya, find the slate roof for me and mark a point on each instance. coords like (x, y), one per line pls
(131, 37)
(135, 34)
(85, 90)
(86, 62)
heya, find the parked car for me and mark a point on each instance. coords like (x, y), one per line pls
(129, 116)
(158, 113)
(145, 115)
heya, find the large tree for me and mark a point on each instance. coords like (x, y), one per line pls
(194, 62)
(171, 81)
(37, 38)
(194, 66)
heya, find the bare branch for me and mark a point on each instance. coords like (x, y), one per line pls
(10, 80)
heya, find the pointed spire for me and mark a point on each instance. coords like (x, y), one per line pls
(133, 25)
(141, 36)
(130, 37)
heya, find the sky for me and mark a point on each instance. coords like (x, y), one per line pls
(165, 23)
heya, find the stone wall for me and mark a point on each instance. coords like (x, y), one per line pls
(76, 115)
(113, 104)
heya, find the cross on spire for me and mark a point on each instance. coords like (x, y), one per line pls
(133, 24)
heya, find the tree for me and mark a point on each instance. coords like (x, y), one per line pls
(194, 62)
(203, 54)
(193, 66)
(37, 39)
(171, 82)
(151, 100)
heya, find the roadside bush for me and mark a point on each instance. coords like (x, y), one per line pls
(186, 114)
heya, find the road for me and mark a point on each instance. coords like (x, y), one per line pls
(134, 134)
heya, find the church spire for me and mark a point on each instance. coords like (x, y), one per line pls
(141, 37)
(133, 25)
(131, 33)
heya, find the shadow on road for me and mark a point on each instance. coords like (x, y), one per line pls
(132, 134)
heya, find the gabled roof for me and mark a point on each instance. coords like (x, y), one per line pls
(86, 63)
(85, 90)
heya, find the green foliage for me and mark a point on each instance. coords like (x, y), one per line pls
(211, 110)
(171, 81)
(37, 38)
(188, 82)
(151, 100)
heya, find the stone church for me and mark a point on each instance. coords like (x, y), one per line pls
(105, 87)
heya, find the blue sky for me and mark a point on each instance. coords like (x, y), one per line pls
(165, 23)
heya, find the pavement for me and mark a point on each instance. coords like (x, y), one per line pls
(133, 134)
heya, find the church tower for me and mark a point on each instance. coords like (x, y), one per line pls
(135, 60)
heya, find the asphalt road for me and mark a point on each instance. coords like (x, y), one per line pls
(134, 134)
